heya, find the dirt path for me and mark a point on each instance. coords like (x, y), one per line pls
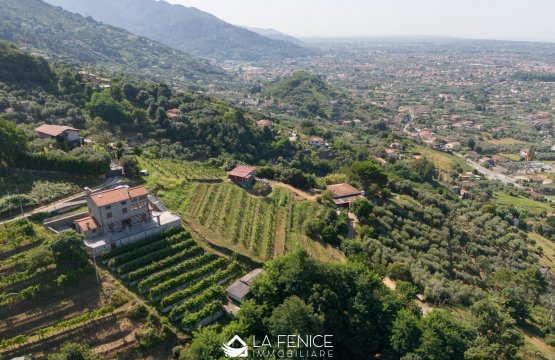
(353, 221)
(279, 246)
(539, 344)
(392, 285)
(299, 194)
(60, 203)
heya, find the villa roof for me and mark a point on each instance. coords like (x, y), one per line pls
(54, 130)
(343, 190)
(108, 197)
(242, 171)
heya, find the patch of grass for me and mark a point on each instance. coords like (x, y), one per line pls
(548, 247)
(521, 204)
(512, 157)
(444, 163)
(505, 141)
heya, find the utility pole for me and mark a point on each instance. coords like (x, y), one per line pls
(20, 203)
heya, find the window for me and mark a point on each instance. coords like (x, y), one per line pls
(109, 215)
(123, 202)
(108, 207)
(124, 210)
(134, 199)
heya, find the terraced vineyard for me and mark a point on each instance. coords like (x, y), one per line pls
(190, 171)
(33, 188)
(172, 271)
(227, 216)
(43, 306)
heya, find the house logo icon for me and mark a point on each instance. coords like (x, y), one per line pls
(232, 352)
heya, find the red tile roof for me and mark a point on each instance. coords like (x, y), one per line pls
(83, 222)
(265, 122)
(316, 139)
(108, 197)
(173, 112)
(343, 190)
(242, 171)
(54, 130)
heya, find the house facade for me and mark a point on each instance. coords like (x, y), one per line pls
(317, 141)
(344, 194)
(114, 211)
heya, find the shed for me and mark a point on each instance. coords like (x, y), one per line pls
(243, 176)
(240, 290)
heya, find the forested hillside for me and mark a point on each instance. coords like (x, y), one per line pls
(71, 38)
(184, 28)
(309, 96)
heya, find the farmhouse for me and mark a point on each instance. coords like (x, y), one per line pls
(240, 290)
(317, 141)
(345, 194)
(265, 123)
(172, 113)
(243, 176)
(94, 79)
(62, 134)
(122, 215)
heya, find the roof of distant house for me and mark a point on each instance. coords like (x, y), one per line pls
(242, 171)
(343, 190)
(108, 197)
(173, 112)
(316, 139)
(265, 122)
(54, 130)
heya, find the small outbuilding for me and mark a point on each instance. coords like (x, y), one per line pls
(240, 290)
(243, 176)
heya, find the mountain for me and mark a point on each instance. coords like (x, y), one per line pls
(276, 35)
(184, 28)
(68, 37)
(308, 95)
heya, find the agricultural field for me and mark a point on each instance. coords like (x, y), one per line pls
(523, 204)
(506, 141)
(50, 295)
(189, 171)
(512, 157)
(170, 270)
(37, 188)
(217, 211)
(444, 163)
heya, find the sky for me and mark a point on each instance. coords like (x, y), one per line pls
(479, 19)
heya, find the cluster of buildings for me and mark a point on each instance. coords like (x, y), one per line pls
(90, 78)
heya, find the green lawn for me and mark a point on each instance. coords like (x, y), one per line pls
(522, 204)
(445, 163)
(512, 157)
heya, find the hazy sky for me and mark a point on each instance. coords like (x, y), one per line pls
(492, 19)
